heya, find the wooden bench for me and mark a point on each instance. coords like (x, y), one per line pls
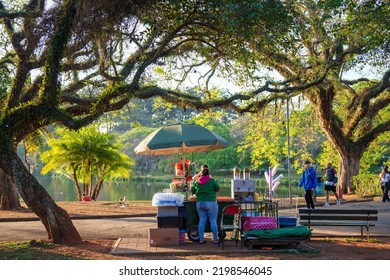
(339, 217)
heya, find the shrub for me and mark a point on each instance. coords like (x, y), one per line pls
(366, 185)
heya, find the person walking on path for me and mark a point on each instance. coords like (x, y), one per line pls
(309, 182)
(205, 189)
(385, 177)
(330, 183)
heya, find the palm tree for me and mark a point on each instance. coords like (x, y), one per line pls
(88, 157)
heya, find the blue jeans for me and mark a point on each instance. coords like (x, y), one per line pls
(207, 209)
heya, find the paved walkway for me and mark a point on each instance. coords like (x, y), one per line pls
(139, 246)
(131, 234)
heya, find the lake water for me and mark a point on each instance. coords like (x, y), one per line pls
(65, 190)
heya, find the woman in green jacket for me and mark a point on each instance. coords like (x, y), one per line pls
(205, 189)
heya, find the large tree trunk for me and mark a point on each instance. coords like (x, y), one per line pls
(56, 220)
(349, 167)
(9, 195)
(349, 150)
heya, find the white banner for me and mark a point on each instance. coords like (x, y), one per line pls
(191, 269)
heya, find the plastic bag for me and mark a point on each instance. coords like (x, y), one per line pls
(168, 199)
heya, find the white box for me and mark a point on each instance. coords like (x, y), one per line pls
(243, 190)
(243, 186)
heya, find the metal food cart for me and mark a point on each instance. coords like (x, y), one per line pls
(254, 208)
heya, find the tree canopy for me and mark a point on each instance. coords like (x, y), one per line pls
(325, 42)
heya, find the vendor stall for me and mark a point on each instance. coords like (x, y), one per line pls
(179, 139)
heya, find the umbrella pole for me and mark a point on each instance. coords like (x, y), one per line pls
(186, 187)
(185, 173)
(183, 165)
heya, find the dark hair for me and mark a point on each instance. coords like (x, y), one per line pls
(205, 172)
(205, 166)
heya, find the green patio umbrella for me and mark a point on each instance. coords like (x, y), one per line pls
(182, 138)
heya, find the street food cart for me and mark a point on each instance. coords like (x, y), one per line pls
(180, 139)
(255, 214)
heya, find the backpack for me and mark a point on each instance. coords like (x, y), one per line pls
(331, 175)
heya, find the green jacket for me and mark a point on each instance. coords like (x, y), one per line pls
(205, 189)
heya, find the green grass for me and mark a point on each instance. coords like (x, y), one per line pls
(37, 250)
(329, 239)
(355, 239)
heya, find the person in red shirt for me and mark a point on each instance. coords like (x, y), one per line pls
(86, 197)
